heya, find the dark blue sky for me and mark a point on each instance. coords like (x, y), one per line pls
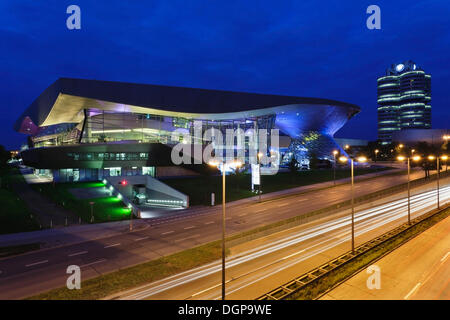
(301, 48)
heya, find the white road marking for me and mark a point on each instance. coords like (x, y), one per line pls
(209, 222)
(445, 257)
(140, 239)
(301, 200)
(412, 291)
(90, 264)
(260, 210)
(36, 263)
(194, 236)
(190, 227)
(294, 254)
(283, 204)
(112, 245)
(164, 233)
(242, 214)
(77, 253)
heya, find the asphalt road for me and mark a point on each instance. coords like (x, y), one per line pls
(420, 269)
(262, 266)
(39, 271)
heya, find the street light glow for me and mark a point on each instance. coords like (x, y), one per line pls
(361, 159)
(401, 158)
(416, 158)
(431, 157)
(335, 152)
(444, 157)
(213, 163)
(343, 159)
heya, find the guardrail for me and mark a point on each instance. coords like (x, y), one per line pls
(291, 289)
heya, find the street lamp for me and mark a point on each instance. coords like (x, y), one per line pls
(437, 179)
(415, 158)
(260, 154)
(445, 158)
(92, 210)
(235, 164)
(359, 159)
(376, 154)
(335, 152)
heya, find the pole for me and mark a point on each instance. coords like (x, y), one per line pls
(353, 209)
(259, 172)
(223, 232)
(334, 169)
(409, 191)
(131, 220)
(437, 163)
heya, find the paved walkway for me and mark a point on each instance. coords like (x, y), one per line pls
(46, 212)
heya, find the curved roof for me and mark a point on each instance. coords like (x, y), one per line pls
(65, 99)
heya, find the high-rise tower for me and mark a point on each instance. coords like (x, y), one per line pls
(404, 100)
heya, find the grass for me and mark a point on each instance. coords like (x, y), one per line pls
(104, 209)
(238, 186)
(15, 216)
(131, 277)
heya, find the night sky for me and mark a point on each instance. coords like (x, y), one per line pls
(300, 48)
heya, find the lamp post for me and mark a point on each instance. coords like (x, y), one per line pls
(376, 154)
(335, 152)
(445, 158)
(437, 177)
(259, 172)
(415, 158)
(359, 159)
(235, 164)
(92, 210)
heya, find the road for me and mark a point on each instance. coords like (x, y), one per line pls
(258, 269)
(39, 271)
(419, 269)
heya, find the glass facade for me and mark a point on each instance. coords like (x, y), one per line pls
(85, 174)
(404, 100)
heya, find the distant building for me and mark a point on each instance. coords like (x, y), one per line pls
(413, 136)
(404, 100)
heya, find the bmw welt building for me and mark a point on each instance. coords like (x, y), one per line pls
(87, 129)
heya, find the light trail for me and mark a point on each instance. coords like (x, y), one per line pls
(365, 221)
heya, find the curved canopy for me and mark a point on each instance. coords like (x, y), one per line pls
(65, 99)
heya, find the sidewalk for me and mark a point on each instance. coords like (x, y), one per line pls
(80, 233)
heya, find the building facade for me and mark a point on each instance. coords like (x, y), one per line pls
(404, 100)
(87, 129)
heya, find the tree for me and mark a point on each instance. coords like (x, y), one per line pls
(4, 156)
(313, 161)
(293, 165)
